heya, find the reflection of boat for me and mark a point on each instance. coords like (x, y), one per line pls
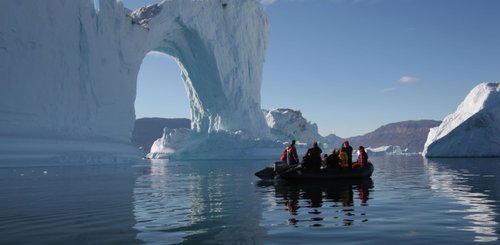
(332, 188)
(322, 203)
(282, 171)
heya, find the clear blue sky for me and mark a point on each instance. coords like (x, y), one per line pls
(352, 66)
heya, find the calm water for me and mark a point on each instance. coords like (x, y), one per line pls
(407, 200)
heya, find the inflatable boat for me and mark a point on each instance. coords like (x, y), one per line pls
(281, 170)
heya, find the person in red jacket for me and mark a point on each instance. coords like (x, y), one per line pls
(312, 159)
(362, 159)
(289, 155)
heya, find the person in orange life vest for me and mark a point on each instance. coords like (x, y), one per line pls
(347, 149)
(312, 159)
(291, 154)
(362, 159)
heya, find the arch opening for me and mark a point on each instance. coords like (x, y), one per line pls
(160, 89)
(161, 100)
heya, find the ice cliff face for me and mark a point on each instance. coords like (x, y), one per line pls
(472, 130)
(69, 72)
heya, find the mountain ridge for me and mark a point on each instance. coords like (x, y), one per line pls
(410, 134)
(148, 129)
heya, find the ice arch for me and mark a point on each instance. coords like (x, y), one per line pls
(69, 72)
(219, 46)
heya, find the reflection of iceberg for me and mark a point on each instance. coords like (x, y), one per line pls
(454, 184)
(195, 201)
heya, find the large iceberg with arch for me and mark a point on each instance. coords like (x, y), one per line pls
(472, 130)
(69, 69)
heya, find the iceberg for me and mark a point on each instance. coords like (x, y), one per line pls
(187, 144)
(69, 69)
(284, 125)
(387, 150)
(288, 124)
(472, 130)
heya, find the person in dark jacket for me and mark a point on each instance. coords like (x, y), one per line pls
(347, 149)
(291, 154)
(312, 159)
(332, 161)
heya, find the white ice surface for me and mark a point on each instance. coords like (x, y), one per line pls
(289, 124)
(387, 150)
(473, 130)
(69, 71)
(285, 125)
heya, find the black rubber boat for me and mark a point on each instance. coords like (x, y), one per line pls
(296, 173)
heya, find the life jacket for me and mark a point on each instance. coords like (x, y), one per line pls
(344, 159)
(292, 157)
(362, 158)
(283, 156)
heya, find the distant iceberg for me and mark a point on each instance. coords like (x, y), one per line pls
(387, 150)
(473, 130)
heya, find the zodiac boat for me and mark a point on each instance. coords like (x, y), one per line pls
(281, 170)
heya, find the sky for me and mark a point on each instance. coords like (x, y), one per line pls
(351, 66)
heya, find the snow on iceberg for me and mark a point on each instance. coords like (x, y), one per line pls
(472, 130)
(288, 124)
(70, 71)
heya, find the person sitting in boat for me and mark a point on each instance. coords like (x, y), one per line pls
(323, 162)
(343, 158)
(347, 149)
(291, 154)
(362, 158)
(283, 156)
(332, 161)
(312, 159)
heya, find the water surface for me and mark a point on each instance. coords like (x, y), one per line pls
(408, 200)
